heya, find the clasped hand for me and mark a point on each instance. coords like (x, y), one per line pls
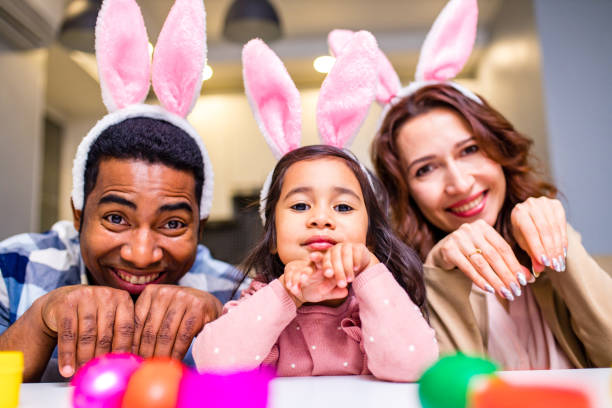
(92, 320)
(326, 275)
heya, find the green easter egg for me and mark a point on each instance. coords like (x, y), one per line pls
(445, 384)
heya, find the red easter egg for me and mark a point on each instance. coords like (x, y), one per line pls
(154, 385)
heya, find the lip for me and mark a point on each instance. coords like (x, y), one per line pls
(472, 211)
(319, 243)
(134, 288)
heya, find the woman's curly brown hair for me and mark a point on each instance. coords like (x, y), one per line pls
(493, 133)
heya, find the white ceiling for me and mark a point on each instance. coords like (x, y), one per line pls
(399, 25)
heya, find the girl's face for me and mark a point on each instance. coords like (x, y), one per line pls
(449, 176)
(320, 204)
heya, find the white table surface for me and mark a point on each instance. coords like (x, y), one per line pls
(359, 391)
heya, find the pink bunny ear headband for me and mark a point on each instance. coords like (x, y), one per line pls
(344, 99)
(445, 51)
(125, 72)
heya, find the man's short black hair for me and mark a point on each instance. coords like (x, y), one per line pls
(149, 140)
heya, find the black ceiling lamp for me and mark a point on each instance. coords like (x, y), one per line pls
(78, 28)
(248, 19)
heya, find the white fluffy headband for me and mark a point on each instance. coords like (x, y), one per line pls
(344, 99)
(126, 73)
(445, 51)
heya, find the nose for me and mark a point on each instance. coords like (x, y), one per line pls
(321, 218)
(459, 179)
(141, 250)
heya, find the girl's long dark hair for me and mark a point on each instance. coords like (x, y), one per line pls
(402, 261)
(494, 134)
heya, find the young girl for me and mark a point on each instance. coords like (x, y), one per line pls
(335, 292)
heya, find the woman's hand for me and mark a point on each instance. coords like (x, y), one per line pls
(480, 252)
(540, 228)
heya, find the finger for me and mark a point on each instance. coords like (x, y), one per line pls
(157, 311)
(66, 341)
(361, 258)
(560, 222)
(530, 235)
(306, 274)
(346, 252)
(124, 325)
(87, 333)
(141, 311)
(453, 255)
(317, 258)
(508, 255)
(545, 206)
(338, 266)
(190, 326)
(328, 268)
(497, 264)
(106, 322)
(169, 327)
(483, 268)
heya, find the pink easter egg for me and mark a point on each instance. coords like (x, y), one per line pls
(240, 389)
(102, 382)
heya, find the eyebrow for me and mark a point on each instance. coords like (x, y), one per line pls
(337, 190)
(431, 156)
(113, 198)
(175, 207)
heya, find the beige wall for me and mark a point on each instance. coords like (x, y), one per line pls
(509, 75)
(22, 80)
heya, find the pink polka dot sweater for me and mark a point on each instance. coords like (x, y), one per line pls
(377, 330)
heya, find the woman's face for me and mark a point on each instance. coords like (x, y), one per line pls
(449, 176)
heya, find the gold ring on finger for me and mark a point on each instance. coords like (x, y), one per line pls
(476, 251)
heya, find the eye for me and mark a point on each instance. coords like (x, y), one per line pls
(300, 207)
(343, 208)
(175, 224)
(470, 149)
(424, 170)
(115, 219)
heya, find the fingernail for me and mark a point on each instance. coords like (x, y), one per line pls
(342, 284)
(67, 371)
(556, 265)
(506, 293)
(545, 260)
(328, 272)
(521, 278)
(562, 262)
(516, 289)
(489, 288)
(565, 252)
(531, 278)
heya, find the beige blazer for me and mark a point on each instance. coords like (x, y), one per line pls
(576, 305)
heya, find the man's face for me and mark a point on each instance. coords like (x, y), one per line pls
(140, 225)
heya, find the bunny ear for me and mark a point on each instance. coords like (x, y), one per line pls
(122, 51)
(273, 97)
(337, 39)
(388, 81)
(348, 91)
(180, 57)
(449, 43)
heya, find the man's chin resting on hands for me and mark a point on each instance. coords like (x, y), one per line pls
(128, 274)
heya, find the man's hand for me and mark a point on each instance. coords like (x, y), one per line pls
(87, 321)
(167, 317)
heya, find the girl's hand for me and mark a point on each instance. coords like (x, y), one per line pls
(540, 228)
(305, 282)
(480, 252)
(344, 261)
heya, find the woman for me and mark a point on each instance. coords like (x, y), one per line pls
(506, 276)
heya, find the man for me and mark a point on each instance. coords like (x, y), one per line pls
(129, 275)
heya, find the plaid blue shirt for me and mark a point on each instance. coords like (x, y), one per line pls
(32, 265)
